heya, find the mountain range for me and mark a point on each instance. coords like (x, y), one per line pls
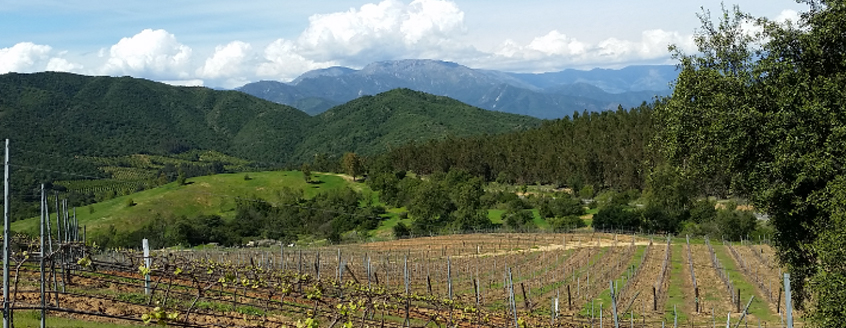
(547, 95)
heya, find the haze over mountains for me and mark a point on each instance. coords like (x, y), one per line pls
(546, 95)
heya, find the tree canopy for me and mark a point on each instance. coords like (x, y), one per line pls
(763, 113)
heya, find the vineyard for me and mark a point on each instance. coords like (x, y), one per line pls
(480, 280)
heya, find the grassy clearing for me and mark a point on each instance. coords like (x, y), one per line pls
(675, 292)
(385, 231)
(207, 195)
(495, 216)
(539, 221)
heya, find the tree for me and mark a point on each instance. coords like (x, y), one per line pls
(764, 113)
(306, 169)
(180, 179)
(352, 165)
(430, 207)
(586, 192)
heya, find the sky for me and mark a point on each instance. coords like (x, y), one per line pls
(230, 43)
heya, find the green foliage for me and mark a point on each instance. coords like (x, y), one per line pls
(614, 198)
(454, 200)
(180, 179)
(762, 115)
(616, 217)
(430, 207)
(518, 219)
(306, 169)
(401, 231)
(74, 118)
(669, 190)
(586, 192)
(604, 150)
(371, 125)
(703, 211)
(352, 165)
(560, 206)
(655, 218)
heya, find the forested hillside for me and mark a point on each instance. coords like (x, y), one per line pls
(104, 116)
(607, 150)
(374, 124)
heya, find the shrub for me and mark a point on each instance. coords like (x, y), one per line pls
(401, 230)
(735, 225)
(586, 192)
(616, 217)
(518, 219)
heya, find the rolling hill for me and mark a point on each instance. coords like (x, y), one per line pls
(64, 113)
(373, 124)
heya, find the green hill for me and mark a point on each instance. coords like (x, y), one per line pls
(373, 124)
(64, 113)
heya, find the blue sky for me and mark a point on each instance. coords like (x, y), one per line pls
(228, 44)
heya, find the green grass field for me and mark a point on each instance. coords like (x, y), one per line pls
(31, 319)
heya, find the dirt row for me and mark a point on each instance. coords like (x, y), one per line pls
(644, 281)
(765, 278)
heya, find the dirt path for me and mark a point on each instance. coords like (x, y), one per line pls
(641, 284)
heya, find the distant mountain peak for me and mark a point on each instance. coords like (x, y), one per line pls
(329, 71)
(545, 95)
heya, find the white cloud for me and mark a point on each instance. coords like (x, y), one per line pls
(29, 57)
(185, 83)
(62, 65)
(226, 60)
(654, 43)
(228, 65)
(150, 53)
(556, 51)
(556, 43)
(23, 57)
(386, 30)
(283, 62)
(788, 15)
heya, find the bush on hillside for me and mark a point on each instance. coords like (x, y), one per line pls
(616, 217)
